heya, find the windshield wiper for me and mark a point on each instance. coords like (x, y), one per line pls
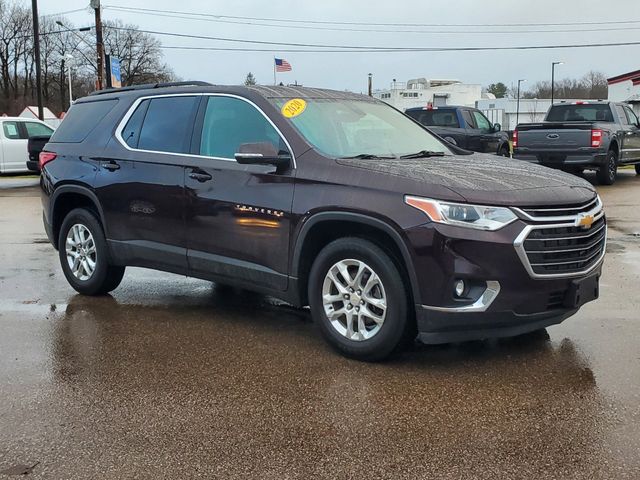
(367, 156)
(423, 154)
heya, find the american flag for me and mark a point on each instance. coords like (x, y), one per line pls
(282, 65)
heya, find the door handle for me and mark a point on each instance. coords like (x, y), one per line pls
(111, 166)
(200, 176)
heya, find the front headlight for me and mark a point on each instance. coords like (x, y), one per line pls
(480, 217)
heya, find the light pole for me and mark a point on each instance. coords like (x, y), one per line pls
(553, 74)
(370, 84)
(518, 101)
(36, 52)
(70, 59)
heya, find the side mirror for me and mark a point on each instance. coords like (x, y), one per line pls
(261, 153)
(497, 127)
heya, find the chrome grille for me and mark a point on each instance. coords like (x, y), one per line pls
(563, 249)
(559, 213)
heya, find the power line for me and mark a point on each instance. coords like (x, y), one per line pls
(64, 13)
(392, 50)
(200, 17)
(326, 22)
(371, 48)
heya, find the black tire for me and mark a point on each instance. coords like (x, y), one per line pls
(504, 151)
(608, 172)
(637, 168)
(398, 325)
(105, 277)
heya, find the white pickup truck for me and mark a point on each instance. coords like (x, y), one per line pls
(14, 134)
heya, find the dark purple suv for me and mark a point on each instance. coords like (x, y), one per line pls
(320, 198)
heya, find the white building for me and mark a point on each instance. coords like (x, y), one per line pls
(49, 117)
(626, 88)
(421, 92)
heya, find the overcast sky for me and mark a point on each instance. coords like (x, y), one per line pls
(349, 70)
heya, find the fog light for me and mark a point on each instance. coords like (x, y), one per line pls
(459, 288)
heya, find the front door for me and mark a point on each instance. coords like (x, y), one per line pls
(632, 136)
(238, 216)
(140, 183)
(488, 138)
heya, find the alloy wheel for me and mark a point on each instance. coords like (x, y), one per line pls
(354, 299)
(81, 253)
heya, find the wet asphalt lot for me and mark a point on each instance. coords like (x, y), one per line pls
(176, 378)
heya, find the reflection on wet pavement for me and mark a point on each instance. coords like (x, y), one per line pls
(178, 378)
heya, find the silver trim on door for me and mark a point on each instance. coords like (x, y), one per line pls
(138, 101)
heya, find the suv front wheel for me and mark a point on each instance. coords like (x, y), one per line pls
(84, 256)
(358, 299)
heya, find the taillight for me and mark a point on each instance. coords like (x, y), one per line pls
(515, 138)
(46, 157)
(596, 138)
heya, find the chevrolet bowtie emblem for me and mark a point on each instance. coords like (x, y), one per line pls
(584, 220)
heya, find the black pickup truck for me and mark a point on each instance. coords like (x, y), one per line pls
(35, 145)
(582, 136)
(465, 127)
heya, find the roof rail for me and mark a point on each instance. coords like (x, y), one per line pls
(148, 86)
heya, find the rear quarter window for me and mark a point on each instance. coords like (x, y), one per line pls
(81, 120)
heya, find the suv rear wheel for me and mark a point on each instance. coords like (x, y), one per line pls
(84, 256)
(609, 171)
(358, 299)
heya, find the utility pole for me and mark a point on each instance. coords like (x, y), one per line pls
(370, 85)
(95, 4)
(553, 79)
(518, 102)
(36, 51)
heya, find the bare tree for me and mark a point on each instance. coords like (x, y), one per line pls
(139, 53)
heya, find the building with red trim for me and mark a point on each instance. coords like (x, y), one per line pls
(626, 88)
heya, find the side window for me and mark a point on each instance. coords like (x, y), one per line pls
(622, 116)
(131, 132)
(11, 130)
(230, 122)
(168, 124)
(468, 120)
(633, 119)
(482, 122)
(34, 129)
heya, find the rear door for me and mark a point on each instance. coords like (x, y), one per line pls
(140, 182)
(238, 216)
(632, 137)
(14, 147)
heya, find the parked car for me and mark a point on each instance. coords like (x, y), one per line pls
(14, 134)
(35, 145)
(465, 127)
(582, 136)
(320, 198)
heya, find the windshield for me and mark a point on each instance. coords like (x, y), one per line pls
(348, 128)
(580, 113)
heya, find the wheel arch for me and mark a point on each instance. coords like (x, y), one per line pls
(324, 227)
(66, 198)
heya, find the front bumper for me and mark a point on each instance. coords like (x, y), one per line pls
(511, 302)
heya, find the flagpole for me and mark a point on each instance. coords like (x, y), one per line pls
(274, 70)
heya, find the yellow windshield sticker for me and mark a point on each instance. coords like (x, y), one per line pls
(294, 107)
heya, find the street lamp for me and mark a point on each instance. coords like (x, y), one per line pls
(518, 101)
(70, 60)
(553, 71)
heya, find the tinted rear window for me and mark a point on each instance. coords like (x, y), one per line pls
(81, 120)
(168, 124)
(435, 118)
(580, 113)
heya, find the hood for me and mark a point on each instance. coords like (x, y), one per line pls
(482, 178)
